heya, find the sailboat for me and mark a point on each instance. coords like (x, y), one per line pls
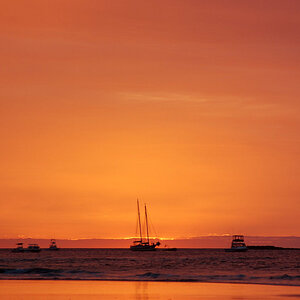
(141, 245)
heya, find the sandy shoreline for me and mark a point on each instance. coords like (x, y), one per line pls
(54, 289)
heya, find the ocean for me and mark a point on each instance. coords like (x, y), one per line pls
(277, 267)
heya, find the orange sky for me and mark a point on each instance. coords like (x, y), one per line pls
(192, 106)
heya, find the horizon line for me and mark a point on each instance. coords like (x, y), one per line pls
(160, 238)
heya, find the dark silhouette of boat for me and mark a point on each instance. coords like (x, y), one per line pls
(237, 244)
(141, 245)
(33, 248)
(19, 248)
(30, 248)
(169, 249)
(53, 245)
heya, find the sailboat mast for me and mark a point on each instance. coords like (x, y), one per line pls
(139, 217)
(146, 217)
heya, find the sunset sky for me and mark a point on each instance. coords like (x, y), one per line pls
(191, 106)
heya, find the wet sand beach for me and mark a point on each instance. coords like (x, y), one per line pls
(61, 290)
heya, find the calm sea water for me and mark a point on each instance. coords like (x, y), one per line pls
(200, 265)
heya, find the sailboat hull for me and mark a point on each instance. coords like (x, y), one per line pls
(143, 247)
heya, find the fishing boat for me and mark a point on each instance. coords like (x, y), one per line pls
(53, 245)
(19, 248)
(33, 248)
(30, 248)
(237, 244)
(143, 244)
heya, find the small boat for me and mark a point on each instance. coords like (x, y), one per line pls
(53, 245)
(30, 248)
(33, 248)
(237, 244)
(19, 248)
(141, 245)
(167, 248)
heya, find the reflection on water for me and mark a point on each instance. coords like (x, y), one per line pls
(141, 290)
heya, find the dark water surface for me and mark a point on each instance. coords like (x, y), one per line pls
(200, 265)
